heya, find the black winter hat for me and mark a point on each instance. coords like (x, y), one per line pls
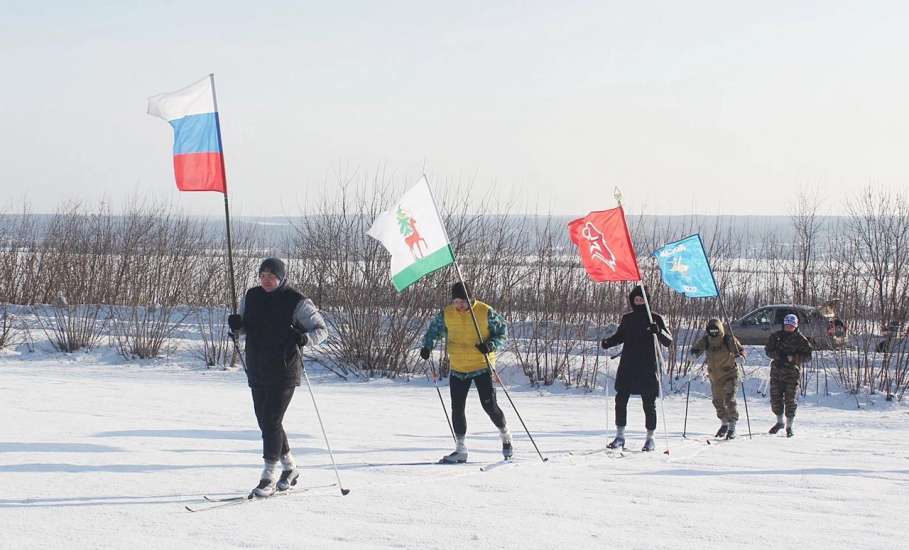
(636, 291)
(458, 290)
(274, 266)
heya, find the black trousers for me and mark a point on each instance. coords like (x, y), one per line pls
(648, 400)
(270, 403)
(459, 388)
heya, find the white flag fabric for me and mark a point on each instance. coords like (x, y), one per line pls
(412, 231)
(195, 99)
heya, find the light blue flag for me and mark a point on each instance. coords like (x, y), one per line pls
(685, 268)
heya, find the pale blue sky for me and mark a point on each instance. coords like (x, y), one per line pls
(707, 107)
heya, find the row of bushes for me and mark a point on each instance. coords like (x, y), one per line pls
(150, 260)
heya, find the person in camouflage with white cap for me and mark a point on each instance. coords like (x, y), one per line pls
(789, 349)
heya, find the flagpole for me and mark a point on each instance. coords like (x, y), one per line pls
(719, 297)
(476, 325)
(230, 253)
(656, 344)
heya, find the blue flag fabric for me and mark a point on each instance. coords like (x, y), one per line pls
(685, 268)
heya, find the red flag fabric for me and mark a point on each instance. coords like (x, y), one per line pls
(605, 246)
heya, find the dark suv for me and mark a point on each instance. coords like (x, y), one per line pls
(817, 323)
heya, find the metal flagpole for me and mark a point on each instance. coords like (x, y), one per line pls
(230, 251)
(476, 327)
(659, 361)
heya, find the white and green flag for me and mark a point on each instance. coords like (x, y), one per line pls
(413, 233)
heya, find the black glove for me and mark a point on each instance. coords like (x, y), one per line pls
(235, 322)
(604, 343)
(486, 347)
(298, 336)
(424, 353)
(653, 328)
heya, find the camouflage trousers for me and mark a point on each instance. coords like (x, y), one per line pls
(723, 388)
(784, 387)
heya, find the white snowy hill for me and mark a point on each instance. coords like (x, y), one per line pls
(96, 452)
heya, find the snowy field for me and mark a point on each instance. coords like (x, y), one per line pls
(98, 453)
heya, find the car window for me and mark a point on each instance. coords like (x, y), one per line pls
(763, 316)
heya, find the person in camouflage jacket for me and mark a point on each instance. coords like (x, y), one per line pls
(789, 349)
(722, 350)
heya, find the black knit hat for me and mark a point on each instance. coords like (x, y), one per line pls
(274, 266)
(636, 291)
(458, 290)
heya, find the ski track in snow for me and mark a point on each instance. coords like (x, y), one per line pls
(95, 454)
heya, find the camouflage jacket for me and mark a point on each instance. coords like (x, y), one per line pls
(788, 349)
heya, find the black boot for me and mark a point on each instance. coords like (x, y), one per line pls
(722, 431)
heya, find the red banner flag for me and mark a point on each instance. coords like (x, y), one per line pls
(605, 246)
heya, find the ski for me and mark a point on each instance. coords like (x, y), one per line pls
(496, 464)
(419, 463)
(223, 502)
(589, 452)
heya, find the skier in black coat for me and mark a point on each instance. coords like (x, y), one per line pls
(638, 372)
(278, 321)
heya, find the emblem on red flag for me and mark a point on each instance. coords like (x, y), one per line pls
(604, 244)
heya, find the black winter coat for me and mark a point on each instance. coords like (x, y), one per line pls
(272, 357)
(638, 366)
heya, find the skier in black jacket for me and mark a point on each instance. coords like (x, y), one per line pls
(278, 320)
(638, 373)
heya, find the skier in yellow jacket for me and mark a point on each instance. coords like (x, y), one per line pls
(466, 351)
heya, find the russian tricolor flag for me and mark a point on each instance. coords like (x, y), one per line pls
(198, 155)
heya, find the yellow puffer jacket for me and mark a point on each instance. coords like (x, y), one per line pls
(462, 338)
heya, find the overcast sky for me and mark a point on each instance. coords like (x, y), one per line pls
(689, 107)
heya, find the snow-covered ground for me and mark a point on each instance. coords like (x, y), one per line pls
(96, 452)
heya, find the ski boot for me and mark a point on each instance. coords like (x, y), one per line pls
(266, 486)
(288, 479)
(507, 450)
(722, 431)
(649, 444)
(619, 441)
(789, 422)
(779, 424)
(789, 432)
(730, 432)
(264, 489)
(459, 456)
(289, 473)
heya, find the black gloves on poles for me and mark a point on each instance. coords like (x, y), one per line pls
(653, 328)
(298, 336)
(486, 347)
(424, 353)
(235, 322)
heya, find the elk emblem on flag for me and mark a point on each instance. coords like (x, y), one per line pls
(414, 254)
(412, 237)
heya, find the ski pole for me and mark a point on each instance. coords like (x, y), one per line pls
(518, 414)
(435, 380)
(233, 338)
(745, 400)
(490, 366)
(685, 424)
(331, 454)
